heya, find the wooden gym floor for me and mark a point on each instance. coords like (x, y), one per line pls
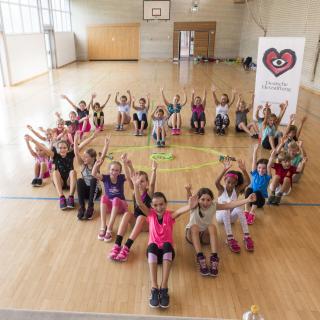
(51, 261)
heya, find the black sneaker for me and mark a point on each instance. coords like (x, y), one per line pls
(271, 199)
(222, 132)
(39, 182)
(158, 143)
(70, 202)
(196, 130)
(154, 298)
(201, 131)
(89, 213)
(63, 203)
(214, 263)
(218, 131)
(117, 128)
(34, 182)
(81, 213)
(277, 200)
(164, 298)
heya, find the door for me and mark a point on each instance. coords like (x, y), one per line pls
(176, 45)
(50, 48)
(201, 43)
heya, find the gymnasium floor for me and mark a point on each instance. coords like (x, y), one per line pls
(51, 261)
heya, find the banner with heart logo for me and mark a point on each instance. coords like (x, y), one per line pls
(279, 65)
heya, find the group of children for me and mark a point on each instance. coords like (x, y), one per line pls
(55, 154)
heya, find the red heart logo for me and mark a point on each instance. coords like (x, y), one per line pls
(279, 62)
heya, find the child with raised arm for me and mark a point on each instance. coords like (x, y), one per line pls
(113, 202)
(174, 108)
(42, 162)
(82, 111)
(140, 120)
(235, 184)
(198, 118)
(222, 109)
(123, 116)
(98, 115)
(260, 178)
(270, 134)
(72, 125)
(159, 118)
(87, 186)
(47, 137)
(281, 183)
(160, 245)
(137, 218)
(242, 124)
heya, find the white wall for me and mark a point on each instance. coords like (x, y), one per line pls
(295, 18)
(156, 37)
(26, 56)
(65, 48)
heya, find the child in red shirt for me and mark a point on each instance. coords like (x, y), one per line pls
(282, 178)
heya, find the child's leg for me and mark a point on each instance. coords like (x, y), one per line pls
(95, 122)
(274, 184)
(58, 182)
(36, 169)
(225, 121)
(118, 206)
(194, 120)
(153, 253)
(194, 230)
(101, 122)
(122, 118)
(140, 223)
(178, 120)
(84, 125)
(163, 133)
(143, 123)
(126, 118)
(118, 118)
(202, 119)
(135, 122)
(43, 169)
(70, 138)
(286, 185)
(93, 192)
(127, 217)
(243, 127)
(83, 193)
(253, 125)
(168, 256)
(218, 122)
(73, 181)
(105, 207)
(213, 238)
(174, 121)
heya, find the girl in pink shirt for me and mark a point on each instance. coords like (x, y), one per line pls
(160, 245)
(198, 119)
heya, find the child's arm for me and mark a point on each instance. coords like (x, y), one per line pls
(76, 148)
(215, 99)
(105, 147)
(281, 144)
(124, 159)
(238, 102)
(108, 98)
(58, 115)
(133, 104)
(36, 133)
(291, 122)
(268, 111)
(27, 139)
(237, 203)
(204, 99)
(258, 112)
(226, 166)
(137, 195)
(116, 99)
(301, 125)
(70, 102)
(192, 203)
(166, 102)
(246, 178)
(148, 102)
(251, 104)
(64, 132)
(96, 169)
(283, 107)
(254, 157)
(87, 140)
(153, 177)
(48, 152)
(91, 101)
(188, 188)
(192, 99)
(233, 97)
(270, 162)
(153, 112)
(185, 98)
(301, 165)
(130, 97)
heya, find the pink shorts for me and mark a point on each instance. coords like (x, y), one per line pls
(121, 204)
(87, 128)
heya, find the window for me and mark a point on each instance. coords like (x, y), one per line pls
(22, 16)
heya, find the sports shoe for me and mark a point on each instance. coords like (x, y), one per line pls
(158, 143)
(123, 254)
(214, 263)
(196, 130)
(39, 182)
(108, 236)
(201, 131)
(251, 217)
(63, 203)
(249, 244)
(89, 213)
(163, 143)
(154, 298)
(203, 268)
(178, 131)
(136, 133)
(70, 202)
(164, 298)
(173, 132)
(233, 245)
(140, 133)
(117, 128)
(80, 214)
(222, 132)
(34, 182)
(114, 252)
(271, 199)
(121, 127)
(101, 234)
(277, 200)
(218, 131)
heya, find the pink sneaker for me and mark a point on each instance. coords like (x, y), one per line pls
(250, 218)
(108, 236)
(249, 244)
(114, 252)
(123, 255)
(173, 132)
(101, 234)
(233, 245)
(178, 132)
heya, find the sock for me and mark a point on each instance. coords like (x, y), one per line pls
(230, 236)
(118, 240)
(200, 255)
(129, 243)
(247, 235)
